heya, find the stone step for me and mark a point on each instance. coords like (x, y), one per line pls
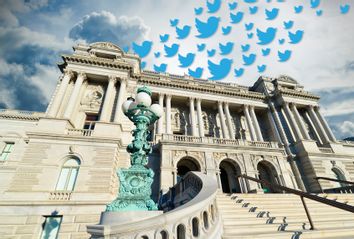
(344, 233)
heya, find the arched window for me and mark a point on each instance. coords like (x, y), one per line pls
(205, 220)
(195, 227)
(68, 175)
(181, 232)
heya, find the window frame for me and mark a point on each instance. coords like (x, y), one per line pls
(46, 217)
(6, 151)
(69, 175)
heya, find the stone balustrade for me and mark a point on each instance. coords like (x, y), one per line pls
(80, 132)
(190, 212)
(211, 140)
(60, 195)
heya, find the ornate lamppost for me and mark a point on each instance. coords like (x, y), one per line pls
(135, 182)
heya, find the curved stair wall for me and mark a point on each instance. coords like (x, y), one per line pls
(195, 214)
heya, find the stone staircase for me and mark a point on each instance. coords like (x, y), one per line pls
(283, 216)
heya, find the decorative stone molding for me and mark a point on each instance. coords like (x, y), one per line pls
(93, 97)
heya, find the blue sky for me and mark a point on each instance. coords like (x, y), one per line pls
(33, 34)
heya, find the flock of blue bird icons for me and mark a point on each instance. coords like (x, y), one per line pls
(219, 69)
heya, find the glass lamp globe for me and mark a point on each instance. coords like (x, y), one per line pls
(143, 98)
(157, 110)
(132, 105)
(126, 105)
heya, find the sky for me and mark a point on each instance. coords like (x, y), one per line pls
(33, 35)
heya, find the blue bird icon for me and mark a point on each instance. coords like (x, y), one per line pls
(183, 32)
(213, 7)
(266, 51)
(236, 18)
(315, 3)
(261, 68)
(211, 52)
(319, 13)
(201, 46)
(221, 70)
(250, 35)
(157, 54)
(126, 49)
(245, 48)
(239, 72)
(267, 36)
(249, 60)
(208, 28)
(232, 5)
(281, 41)
(164, 38)
(226, 30)
(271, 14)
(284, 56)
(143, 49)
(344, 9)
(143, 64)
(288, 24)
(171, 50)
(250, 1)
(160, 68)
(249, 26)
(197, 73)
(187, 60)
(174, 22)
(253, 10)
(295, 37)
(198, 10)
(298, 9)
(226, 48)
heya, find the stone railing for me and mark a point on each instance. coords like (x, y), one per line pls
(344, 189)
(190, 212)
(80, 132)
(211, 140)
(326, 150)
(60, 195)
(21, 114)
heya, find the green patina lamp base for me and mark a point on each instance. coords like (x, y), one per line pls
(134, 191)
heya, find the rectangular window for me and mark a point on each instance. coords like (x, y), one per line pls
(90, 121)
(6, 151)
(51, 227)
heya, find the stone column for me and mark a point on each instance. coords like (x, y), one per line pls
(318, 124)
(325, 125)
(192, 116)
(200, 118)
(168, 114)
(280, 126)
(105, 113)
(295, 126)
(68, 74)
(74, 95)
(249, 123)
(229, 121)
(274, 127)
(222, 121)
(308, 118)
(160, 122)
(300, 121)
(120, 99)
(256, 124)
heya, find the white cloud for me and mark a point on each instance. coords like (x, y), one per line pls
(104, 26)
(347, 128)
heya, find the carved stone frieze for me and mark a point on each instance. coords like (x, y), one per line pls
(93, 96)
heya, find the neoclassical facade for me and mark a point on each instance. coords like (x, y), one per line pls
(58, 168)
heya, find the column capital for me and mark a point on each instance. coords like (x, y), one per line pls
(168, 96)
(161, 94)
(199, 100)
(285, 103)
(220, 102)
(82, 75)
(113, 78)
(68, 72)
(122, 79)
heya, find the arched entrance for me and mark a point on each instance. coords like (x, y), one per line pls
(186, 165)
(228, 175)
(267, 172)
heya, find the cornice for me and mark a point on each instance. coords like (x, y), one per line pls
(205, 86)
(297, 94)
(96, 61)
(21, 115)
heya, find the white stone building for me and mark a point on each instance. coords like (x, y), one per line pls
(57, 168)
